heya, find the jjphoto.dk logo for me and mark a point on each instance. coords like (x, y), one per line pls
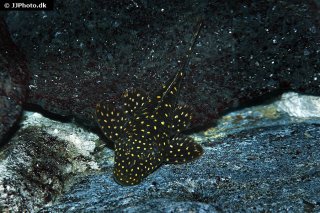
(25, 6)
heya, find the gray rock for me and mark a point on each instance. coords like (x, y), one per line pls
(271, 168)
(31, 170)
(302, 106)
(14, 79)
(38, 162)
(256, 160)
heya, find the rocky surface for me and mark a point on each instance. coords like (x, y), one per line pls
(14, 78)
(39, 160)
(302, 106)
(257, 159)
(267, 169)
(80, 55)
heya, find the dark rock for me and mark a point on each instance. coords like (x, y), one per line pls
(32, 170)
(14, 78)
(267, 169)
(36, 165)
(82, 54)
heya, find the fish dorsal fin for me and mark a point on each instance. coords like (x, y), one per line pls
(134, 101)
(110, 119)
(180, 118)
(170, 90)
(182, 149)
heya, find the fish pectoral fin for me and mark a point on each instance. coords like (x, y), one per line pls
(182, 149)
(180, 118)
(110, 119)
(134, 100)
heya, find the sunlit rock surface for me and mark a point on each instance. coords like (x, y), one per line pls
(302, 106)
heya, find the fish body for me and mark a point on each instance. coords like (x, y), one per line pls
(147, 131)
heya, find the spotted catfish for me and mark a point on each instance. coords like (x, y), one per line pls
(147, 131)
